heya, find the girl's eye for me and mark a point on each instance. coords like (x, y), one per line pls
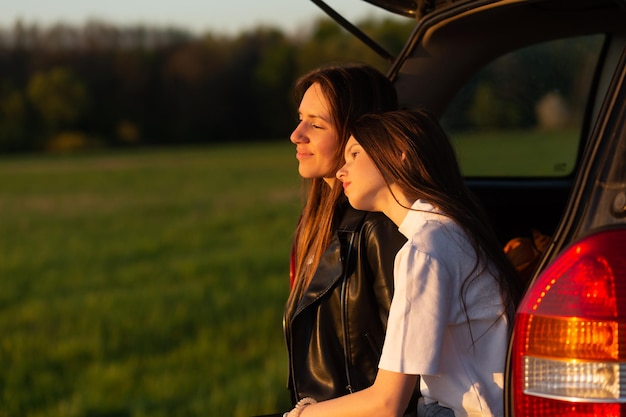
(354, 154)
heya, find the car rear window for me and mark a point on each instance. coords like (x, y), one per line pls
(521, 115)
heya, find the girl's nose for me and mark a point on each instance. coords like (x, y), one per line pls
(341, 173)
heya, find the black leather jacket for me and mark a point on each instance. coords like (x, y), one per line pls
(335, 332)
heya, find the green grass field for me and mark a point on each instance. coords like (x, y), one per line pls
(148, 283)
(524, 153)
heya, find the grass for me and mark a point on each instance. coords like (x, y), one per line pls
(520, 153)
(146, 283)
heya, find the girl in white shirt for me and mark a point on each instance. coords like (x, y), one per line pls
(455, 291)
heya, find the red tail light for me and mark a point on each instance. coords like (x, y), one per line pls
(569, 338)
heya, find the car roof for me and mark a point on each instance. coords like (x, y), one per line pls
(402, 7)
(479, 33)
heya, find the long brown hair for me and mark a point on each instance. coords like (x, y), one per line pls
(351, 91)
(411, 150)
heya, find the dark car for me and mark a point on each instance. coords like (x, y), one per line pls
(533, 95)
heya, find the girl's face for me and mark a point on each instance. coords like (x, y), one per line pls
(363, 183)
(315, 137)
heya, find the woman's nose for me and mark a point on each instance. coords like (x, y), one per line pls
(297, 136)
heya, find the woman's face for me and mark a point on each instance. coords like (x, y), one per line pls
(315, 136)
(363, 183)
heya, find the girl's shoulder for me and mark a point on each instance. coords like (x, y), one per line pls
(432, 232)
(424, 220)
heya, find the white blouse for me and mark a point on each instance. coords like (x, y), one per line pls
(461, 365)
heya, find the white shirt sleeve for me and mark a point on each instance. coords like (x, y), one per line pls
(419, 314)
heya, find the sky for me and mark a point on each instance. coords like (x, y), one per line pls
(197, 16)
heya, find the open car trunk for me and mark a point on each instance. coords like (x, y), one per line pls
(453, 40)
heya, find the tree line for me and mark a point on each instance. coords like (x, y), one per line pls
(98, 85)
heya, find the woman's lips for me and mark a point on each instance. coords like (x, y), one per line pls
(302, 154)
